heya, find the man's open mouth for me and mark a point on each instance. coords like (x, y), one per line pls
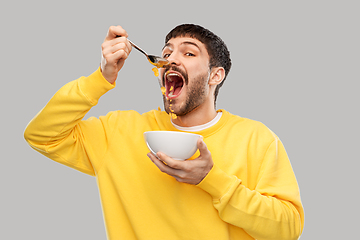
(174, 83)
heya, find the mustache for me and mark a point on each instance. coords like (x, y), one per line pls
(176, 69)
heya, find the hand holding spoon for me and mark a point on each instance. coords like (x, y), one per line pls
(158, 62)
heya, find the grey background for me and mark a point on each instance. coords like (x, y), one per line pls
(295, 68)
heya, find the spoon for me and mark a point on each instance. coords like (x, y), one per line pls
(158, 62)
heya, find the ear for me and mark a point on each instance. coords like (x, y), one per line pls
(217, 75)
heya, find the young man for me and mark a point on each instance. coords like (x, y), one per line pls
(239, 186)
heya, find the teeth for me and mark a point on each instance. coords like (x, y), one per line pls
(170, 94)
(171, 74)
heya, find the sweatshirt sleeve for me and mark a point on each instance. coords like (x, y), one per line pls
(272, 210)
(58, 132)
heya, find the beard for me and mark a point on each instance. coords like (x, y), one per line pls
(196, 95)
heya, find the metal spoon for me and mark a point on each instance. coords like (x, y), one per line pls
(154, 60)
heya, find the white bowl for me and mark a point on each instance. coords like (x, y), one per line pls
(177, 145)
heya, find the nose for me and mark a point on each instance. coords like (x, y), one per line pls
(173, 59)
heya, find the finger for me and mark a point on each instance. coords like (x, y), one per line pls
(116, 42)
(117, 48)
(113, 53)
(160, 164)
(114, 32)
(117, 58)
(175, 164)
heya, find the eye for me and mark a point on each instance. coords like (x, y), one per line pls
(166, 55)
(190, 54)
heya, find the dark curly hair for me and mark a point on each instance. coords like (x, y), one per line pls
(217, 49)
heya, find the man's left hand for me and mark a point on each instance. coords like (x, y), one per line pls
(188, 171)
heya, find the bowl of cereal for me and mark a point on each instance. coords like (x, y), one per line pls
(177, 145)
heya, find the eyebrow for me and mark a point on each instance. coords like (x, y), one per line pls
(166, 45)
(183, 43)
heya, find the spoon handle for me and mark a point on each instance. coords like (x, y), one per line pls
(137, 48)
(134, 45)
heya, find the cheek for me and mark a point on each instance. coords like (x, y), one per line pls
(200, 77)
(198, 69)
(161, 75)
(161, 71)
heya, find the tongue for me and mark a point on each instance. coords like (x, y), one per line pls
(174, 85)
(177, 90)
(174, 89)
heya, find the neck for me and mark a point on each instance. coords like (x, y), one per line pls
(201, 115)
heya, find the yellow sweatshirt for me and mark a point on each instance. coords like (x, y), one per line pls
(250, 193)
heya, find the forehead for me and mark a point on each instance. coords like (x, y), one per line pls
(183, 42)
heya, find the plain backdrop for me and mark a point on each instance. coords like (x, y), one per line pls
(295, 68)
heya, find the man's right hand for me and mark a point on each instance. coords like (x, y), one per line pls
(115, 49)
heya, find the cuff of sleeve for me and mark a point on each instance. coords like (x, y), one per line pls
(94, 86)
(217, 183)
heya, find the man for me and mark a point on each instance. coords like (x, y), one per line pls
(240, 185)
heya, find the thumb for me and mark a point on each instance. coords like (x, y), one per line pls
(204, 151)
(114, 32)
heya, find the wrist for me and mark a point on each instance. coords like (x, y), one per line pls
(217, 182)
(109, 77)
(94, 86)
